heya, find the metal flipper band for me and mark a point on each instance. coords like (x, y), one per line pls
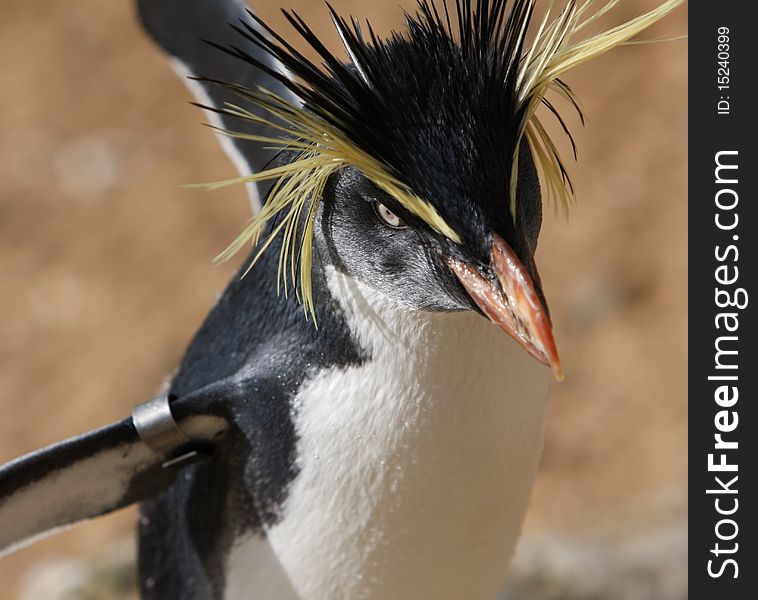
(160, 432)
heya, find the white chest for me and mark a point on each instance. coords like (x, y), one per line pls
(416, 468)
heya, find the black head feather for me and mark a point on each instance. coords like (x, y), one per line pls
(441, 117)
(438, 106)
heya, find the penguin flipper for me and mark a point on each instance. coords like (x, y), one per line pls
(90, 475)
(182, 29)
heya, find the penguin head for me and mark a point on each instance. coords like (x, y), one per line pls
(444, 119)
(413, 165)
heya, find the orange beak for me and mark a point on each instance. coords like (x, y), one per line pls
(511, 302)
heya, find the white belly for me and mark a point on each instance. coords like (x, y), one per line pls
(416, 468)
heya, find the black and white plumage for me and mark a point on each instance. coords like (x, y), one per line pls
(394, 417)
(390, 451)
(179, 30)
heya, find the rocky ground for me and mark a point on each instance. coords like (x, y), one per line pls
(106, 273)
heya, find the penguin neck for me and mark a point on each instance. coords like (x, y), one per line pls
(459, 358)
(380, 325)
(464, 344)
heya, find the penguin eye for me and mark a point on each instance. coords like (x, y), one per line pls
(387, 216)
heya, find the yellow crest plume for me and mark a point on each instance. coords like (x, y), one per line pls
(557, 48)
(333, 128)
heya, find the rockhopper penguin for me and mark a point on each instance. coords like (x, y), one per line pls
(386, 435)
(374, 380)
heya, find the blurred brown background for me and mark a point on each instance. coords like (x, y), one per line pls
(105, 271)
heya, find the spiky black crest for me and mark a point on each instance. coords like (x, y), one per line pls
(435, 111)
(435, 116)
